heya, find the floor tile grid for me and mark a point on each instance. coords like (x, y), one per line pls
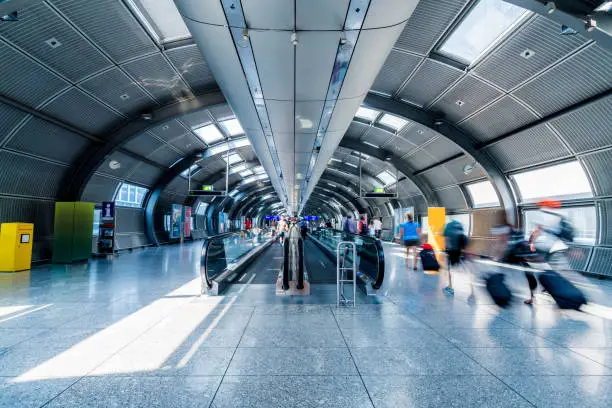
(212, 400)
(153, 324)
(352, 358)
(471, 358)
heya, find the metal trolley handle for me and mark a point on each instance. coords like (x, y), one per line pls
(342, 272)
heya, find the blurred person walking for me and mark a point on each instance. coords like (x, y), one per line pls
(410, 234)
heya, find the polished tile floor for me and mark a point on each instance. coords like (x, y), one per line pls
(134, 333)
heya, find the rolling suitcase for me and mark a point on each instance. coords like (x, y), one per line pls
(428, 259)
(498, 289)
(563, 291)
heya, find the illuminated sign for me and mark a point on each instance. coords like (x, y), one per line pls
(379, 189)
(207, 187)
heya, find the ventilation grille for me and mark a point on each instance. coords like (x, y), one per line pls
(156, 75)
(507, 69)
(44, 139)
(429, 81)
(394, 72)
(196, 119)
(100, 189)
(189, 62)
(601, 261)
(500, 118)
(427, 23)
(605, 222)
(145, 174)
(75, 58)
(355, 130)
(598, 165)
(452, 198)
(165, 156)
(584, 75)
(377, 136)
(587, 128)
(129, 220)
(22, 175)
(532, 146)
(9, 118)
(83, 112)
(222, 112)
(438, 177)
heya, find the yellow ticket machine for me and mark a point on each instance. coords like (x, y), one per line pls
(16, 246)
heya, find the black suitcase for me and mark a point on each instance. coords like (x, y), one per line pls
(428, 260)
(563, 291)
(498, 289)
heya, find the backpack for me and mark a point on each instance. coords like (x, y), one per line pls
(363, 228)
(455, 237)
(566, 230)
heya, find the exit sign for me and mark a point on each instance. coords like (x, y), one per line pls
(207, 187)
(379, 190)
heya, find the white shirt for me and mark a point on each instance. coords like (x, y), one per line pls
(377, 225)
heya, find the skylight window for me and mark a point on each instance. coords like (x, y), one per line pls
(209, 134)
(238, 168)
(483, 194)
(193, 170)
(367, 114)
(394, 122)
(258, 170)
(129, 195)
(561, 181)
(246, 173)
(351, 164)
(232, 127)
(370, 144)
(386, 177)
(232, 158)
(485, 24)
(161, 18)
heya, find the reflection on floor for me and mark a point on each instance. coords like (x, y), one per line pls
(134, 333)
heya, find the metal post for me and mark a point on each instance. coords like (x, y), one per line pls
(341, 271)
(360, 192)
(227, 166)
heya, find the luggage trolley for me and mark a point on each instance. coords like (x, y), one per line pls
(342, 272)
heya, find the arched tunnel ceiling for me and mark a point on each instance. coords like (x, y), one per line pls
(515, 112)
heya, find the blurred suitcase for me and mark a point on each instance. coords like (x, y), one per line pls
(428, 260)
(563, 291)
(498, 289)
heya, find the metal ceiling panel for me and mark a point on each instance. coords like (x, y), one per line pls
(310, 17)
(429, 81)
(206, 11)
(304, 142)
(78, 109)
(605, 218)
(601, 261)
(456, 168)
(377, 136)
(585, 74)
(27, 176)
(442, 148)
(189, 63)
(418, 134)
(188, 143)
(507, 68)
(273, 54)
(356, 130)
(586, 128)
(197, 119)
(345, 109)
(371, 51)
(307, 116)
(530, 147)
(499, 118)
(156, 75)
(421, 159)
(397, 68)
(399, 146)
(169, 130)
(38, 24)
(438, 177)
(281, 116)
(9, 119)
(316, 54)
(143, 144)
(18, 74)
(598, 166)
(44, 139)
(466, 97)
(110, 25)
(145, 174)
(452, 198)
(382, 13)
(427, 24)
(222, 112)
(119, 91)
(126, 162)
(269, 14)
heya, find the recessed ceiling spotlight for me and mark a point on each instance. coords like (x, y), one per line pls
(53, 43)
(114, 165)
(165, 127)
(342, 38)
(468, 168)
(551, 7)
(527, 53)
(124, 97)
(294, 39)
(438, 122)
(146, 116)
(460, 102)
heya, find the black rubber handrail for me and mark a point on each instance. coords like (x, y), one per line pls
(286, 268)
(204, 256)
(300, 283)
(377, 275)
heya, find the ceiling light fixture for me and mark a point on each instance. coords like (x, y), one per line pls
(527, 53)
(551, 7)
(245, 34)
(146, 116)
(53, 43)
(294, 39)
(438, 122)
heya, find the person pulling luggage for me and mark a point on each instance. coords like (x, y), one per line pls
(455, 241)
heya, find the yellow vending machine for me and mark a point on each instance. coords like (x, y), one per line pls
(16, 246)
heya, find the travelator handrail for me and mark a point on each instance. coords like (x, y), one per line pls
(371, 262)
(214, 256)
(293, 250)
